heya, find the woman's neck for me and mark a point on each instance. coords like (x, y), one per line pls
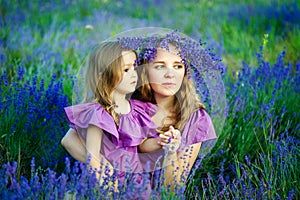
(163, 116)
(164, 103)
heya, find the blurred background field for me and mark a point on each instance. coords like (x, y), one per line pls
(43, 43)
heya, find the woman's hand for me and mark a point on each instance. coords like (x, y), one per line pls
(170, 140)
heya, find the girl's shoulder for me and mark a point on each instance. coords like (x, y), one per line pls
(80, 116)
(87, 111)
(143, 107)
(85, 106)
(139, 120)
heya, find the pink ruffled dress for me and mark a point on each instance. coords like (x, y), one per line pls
(119, 143)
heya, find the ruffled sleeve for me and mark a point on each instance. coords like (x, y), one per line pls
(199, 128)
(134, 127)
(205, 127)
(144, 107)
(82, 115)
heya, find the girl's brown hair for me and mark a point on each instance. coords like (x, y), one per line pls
(103, 73)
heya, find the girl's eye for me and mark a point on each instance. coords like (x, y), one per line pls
(129, 68)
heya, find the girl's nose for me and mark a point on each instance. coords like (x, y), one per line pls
(133, 73)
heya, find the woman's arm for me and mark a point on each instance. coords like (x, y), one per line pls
(74, 145)
(181, 164)
(177, 164)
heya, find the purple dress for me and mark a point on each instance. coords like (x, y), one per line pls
(198, 128)
(119, 143)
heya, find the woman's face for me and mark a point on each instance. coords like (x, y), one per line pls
(166, 72)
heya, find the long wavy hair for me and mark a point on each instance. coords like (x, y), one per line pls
(103, 73)
(186, 100)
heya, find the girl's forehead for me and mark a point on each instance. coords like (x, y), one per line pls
(128, 53)
(128, 57)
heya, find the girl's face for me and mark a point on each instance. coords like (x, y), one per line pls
(129, 78)
(166, 72)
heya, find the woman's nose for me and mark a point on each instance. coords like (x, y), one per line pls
(169, 73)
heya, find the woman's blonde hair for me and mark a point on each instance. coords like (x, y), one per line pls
(186, 102)
(104, 71)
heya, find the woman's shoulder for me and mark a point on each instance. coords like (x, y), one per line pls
(199, 126)
(200, 114)
(202, 118)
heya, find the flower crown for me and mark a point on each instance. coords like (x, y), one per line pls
(202, 66)
(195, 57)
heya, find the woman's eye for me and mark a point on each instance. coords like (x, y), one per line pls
(159, 66)
(126, 70)
(178, 66)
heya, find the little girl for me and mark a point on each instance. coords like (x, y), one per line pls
(111, 125)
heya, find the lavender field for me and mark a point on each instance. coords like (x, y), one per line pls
(43, 44)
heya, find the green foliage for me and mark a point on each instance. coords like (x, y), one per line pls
(53, 37)
(32, 119)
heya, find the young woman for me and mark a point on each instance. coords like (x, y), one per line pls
(165, 83)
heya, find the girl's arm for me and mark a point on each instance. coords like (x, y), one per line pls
(74, 145)
(81, 150)
(97, 161)
(150, 145)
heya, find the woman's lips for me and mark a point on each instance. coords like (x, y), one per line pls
(168, 84)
